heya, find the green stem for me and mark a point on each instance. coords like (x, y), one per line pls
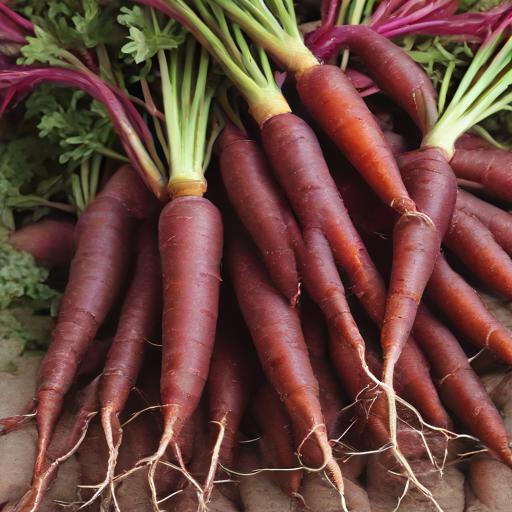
(110, 153)
(95, 176)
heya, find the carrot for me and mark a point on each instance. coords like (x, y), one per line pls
(394, 71)
(498, 221)
(257, 201)
(466, 311)
(489, 167)
(459, 386)
(51, 242)
(276, 443)
(230, 384)
(190, 234)
(277, 335)
(95, 357)
(315, 335)
(139, 318)
(475, 246)
(334, 103)
(448, 361)
(432, 185)
(65, 448)
(96, 275)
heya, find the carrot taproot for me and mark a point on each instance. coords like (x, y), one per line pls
(315, 335)
(65, 448)
(230, 384)
(465, 310)
(489, 167)
(278, 338)
(95, 357)
(459, 386)
(276, 443)
(394, 71)
(475, 246)
(97, 271)
(190, 239)
(50, 241)
(498, 221)
(432, 184)
(334, 103)
(138, 322)
(256, 199)
(447, 359)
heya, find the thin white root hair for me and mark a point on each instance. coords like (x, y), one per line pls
(138, 413)
(402, 496)
(113, 450)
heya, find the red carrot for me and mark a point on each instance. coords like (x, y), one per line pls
(277, 335)
(315, 335)
(257, 201)
(334, 103)
(489, 167)
(97, 272)
(459, 386)
(498, 221)
(432, 185)
(394, 71)
(51, 242)
(466, 311)
(276, 443)
(190, 233)
(65, 448)
(229, 387)
(137, 323)
(475, 246)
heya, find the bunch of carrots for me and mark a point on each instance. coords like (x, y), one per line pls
(318, 293)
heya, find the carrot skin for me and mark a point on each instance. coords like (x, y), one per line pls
(51, 242)
(276, 442)
(395, 73)
(276, 331)
(489, 167)
(498, 221)
(315, 335)
(475, 246)
(460, 387)
(334, 103)
(416, 242)
(190, 234)
(96, 275)
(458, 301)
(466, 311)
(324, 285)
(138, 322)
(88, 407)
(229, 387)
(258, 203)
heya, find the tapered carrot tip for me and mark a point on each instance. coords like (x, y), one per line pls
(500, 342)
